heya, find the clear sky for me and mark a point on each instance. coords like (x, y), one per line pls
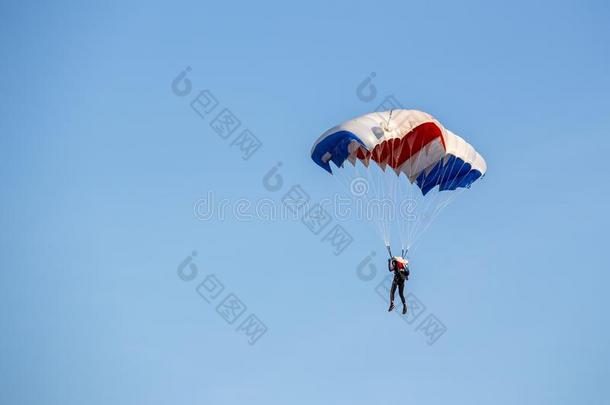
(102, 165)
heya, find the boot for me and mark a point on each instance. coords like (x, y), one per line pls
(404, 309)
(391, 307)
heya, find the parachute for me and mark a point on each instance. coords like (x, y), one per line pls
(401, 167)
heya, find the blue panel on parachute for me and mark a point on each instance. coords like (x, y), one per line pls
(337, 144)
(469, 178)
(456, 169)
(427, 182)
(448, 174)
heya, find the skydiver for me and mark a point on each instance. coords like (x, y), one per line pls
(400, 267)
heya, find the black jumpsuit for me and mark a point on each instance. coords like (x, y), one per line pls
(400, 275)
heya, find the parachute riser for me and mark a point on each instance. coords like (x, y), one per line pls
(389, 250)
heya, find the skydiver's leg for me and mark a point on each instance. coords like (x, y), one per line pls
(401, 292)
(392, 292)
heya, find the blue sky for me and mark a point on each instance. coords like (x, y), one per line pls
(102, 165)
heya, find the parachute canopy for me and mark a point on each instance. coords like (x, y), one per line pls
(408, 141)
